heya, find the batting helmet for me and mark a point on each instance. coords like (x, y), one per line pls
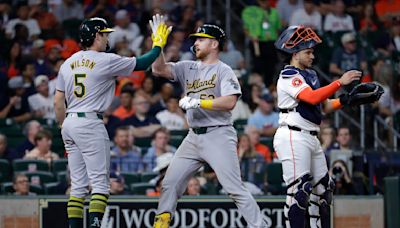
(89, 28)
(210, 31)
(297, 38)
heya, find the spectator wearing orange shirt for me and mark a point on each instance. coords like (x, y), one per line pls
(263, 150)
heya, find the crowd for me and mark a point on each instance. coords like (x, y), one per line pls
(145, 122)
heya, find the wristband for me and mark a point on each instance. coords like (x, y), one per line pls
(206, 104)
(336, 104)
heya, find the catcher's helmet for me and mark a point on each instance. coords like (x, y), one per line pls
(297, 38)
(210, 31)
(89, 28)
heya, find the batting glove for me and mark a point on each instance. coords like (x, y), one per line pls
(160, 31)
(189, 103)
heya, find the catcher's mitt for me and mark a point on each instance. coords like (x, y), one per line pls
(364, 93)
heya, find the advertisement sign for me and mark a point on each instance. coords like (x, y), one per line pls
(140, 212)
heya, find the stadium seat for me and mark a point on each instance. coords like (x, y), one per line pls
(179, 132)
(60, 165)
(143, 142)
(62, 176)
(40, 177)
(131, 178)
(147, 176)
(13, 132)
(4, 170)
(268, 141)
(141, 188)
(176, 140)
(15, 141)
(7, 188)
(36, 189)
(53, 188)
(57, 146)
(23, 165)
(209, 189)
(240, 124)
(274, 178)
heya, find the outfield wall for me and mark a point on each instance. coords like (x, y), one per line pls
(205, 211)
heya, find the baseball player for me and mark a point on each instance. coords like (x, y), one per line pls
(300, 100)
(86, 83)
(211, 90)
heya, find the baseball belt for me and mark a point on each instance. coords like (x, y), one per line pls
(90, 115)
(203, 130)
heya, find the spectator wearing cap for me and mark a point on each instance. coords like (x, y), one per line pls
(307, 16)
(286, 8)
(41, 103)
(159, 147)
(68, 10)
(117, 184)
(338, 20)
(126, 30)
(42, 66)
(264, 118)
(16, 107)
(348, 57)
(43, 140)
(23, 17)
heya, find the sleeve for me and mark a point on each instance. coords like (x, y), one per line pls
(294, 19)
(34, 28)
(178, 70)
(60, 85)
(32, 101)
(119, 65)
(292, 82)
(328, 23)
(229, 83)
(336, 57)
(351, 23)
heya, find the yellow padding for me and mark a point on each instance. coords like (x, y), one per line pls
(77, 199)
(75, 204)
(97, 207)
(100, 197)
(74, 212)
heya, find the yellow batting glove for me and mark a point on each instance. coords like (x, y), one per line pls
(161, 35)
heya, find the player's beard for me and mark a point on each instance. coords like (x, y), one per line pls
(200, 55)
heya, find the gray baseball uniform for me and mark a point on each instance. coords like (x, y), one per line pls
(211, 139)
(87, 79)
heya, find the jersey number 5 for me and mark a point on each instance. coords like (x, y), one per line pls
(80, 88)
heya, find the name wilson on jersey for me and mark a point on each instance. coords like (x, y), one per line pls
(83, 63)
(198, 85)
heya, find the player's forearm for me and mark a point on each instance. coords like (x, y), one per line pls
(143, 62)
(160, 68)
(317, 96)
(224, 103)
(22, 118)
(59, 107)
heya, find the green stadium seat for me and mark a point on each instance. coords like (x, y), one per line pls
(60, 165)
(36, 189)
(8, 189)
(62, 176)
(268, 141)
(40, 177)
(131, 178)
(57, 146)
(141, 188)
(5, 170)
(209, 189)
(179, 132)
(15, 141)
(240, 124)
(274, 178)
(143, 142)
(13, 132)
(147, 176)
(53, 189)
(176, 141)
(6, 122)
(23, 165)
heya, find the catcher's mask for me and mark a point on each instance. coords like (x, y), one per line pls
(210, 31)
(297, 38)
(89, 28)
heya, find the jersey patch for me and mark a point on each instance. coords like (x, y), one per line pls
(289, 73)
(234, 84)
(296, 82)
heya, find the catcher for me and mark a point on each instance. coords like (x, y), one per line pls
(301, 101)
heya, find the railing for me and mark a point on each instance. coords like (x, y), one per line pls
(377, 141)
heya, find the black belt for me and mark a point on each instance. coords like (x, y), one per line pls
(83, 115)
(203, 130)
(287, 110)
(315, 133)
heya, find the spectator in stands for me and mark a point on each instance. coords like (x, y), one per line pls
(343, 139)
(14, 54)
(261, 26)
(41, 103)
(123, 111)
(68, 10)
(307, 16)
(232, 57)
(173, 117)
(42, 66)
(5, 151)
(42, 148)
(341, 175)
(125, 157)
(21, 185)
(369, 21)
(387, 104)
(159, 147)
(386, 9)
(166, 92)
(388, 42)
(126, 30)
(172, 53)
(338, 20)
(143, 124)
(241, 109)
(193, 187)
(28, 73)
(23, 11)
(245, 149)
(22, 37)
(117, 184)
(44, 17)
(5, 14)
(348, 57)
(147, 89)
(265, 119)
(157, 188)
(17, 106)
(286, 9)
(327, 138)
(250, 159)
(30, 130)
(100, 8)
(254, 136)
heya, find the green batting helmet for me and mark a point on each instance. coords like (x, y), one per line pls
(89, 28)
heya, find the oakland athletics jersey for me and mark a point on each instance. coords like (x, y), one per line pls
(206, 81)
(87, 78)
